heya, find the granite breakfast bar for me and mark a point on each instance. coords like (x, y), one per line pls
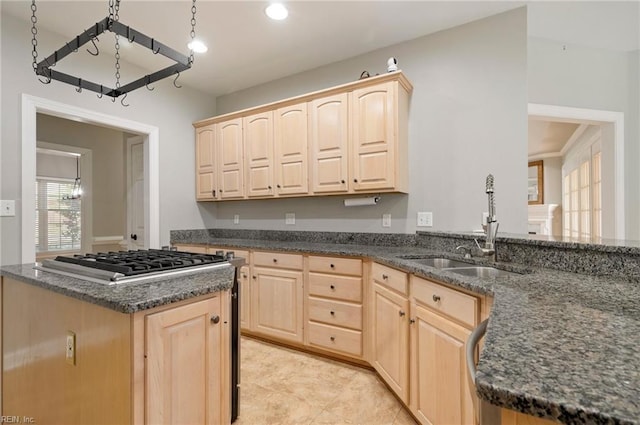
(117, 369)
(560, 345)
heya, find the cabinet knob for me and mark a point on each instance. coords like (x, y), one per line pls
(220, 190)
(412, 321)
(401, 313)
(269, 187)
(342, 181)
(333, 313)
(254, 276)
(275, 260)
(215, 319)
(332, 266)
(332, 287)
(244, 275)
(278, 186)
(355, 180)
(213, 192)
(333, 338)
(385, 277)
(436, 298)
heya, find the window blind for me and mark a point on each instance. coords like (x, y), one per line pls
(58, 221)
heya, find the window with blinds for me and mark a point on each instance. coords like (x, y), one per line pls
(58, 221)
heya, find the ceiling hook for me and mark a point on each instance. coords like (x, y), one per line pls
(122, 101)
(153, 43)
(100, 95)
(93, 40)
(113, 99)
(176, 79)
(148, 82)
(79, 89)
(72, 49)
(47, 81)
(130, 39)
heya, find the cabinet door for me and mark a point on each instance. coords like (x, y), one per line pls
(277, 303)
(245, 297)
(184, 364)
(391, 339)
(229, 159)
(440, 393)
(205, 169)
(291, 150)
(374, 137)
(258, 148)
(328, 142)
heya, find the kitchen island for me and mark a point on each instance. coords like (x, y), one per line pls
(559, 345)
(78, 352)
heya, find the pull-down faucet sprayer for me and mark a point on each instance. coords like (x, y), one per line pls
(492, 223)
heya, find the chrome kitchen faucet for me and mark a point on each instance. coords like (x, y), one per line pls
(489, 249)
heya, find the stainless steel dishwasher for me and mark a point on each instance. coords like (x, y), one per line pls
(485, 412)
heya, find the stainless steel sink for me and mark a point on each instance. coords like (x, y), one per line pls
(481, 271)
(439, 263)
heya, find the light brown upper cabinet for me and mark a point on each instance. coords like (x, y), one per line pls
(346, 139)
(291, 154)
(379, 145)
(329, 143)
(205, 170)
(258, 148)
(229, 154)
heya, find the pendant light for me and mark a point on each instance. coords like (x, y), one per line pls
(76, 192)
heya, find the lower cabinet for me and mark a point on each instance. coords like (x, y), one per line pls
(184, 365)
(390, 334)
(510, 417)
(277, 303)
(440, 393)
(442, 319)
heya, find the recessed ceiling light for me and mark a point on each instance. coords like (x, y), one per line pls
(197, 46)
(277, 11)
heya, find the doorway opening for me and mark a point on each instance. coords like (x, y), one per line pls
(149, 135)
(583, 155)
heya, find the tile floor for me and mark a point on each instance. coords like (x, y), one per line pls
(283, 386)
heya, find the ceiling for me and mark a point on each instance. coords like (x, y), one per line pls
(246, 48)
(549, 137)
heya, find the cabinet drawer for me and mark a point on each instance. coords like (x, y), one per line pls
(348, 266)
(337, 287)
(336, 339)
(237, 252)
(197, 249)
(277, 259)
(336, 313)
(455, 304)
(391, 278)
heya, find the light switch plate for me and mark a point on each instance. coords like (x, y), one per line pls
(7, 208)
(386, 220)
(236, 218)
(425, 219)
(290, 218)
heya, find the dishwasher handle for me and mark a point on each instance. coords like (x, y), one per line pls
(472, 342)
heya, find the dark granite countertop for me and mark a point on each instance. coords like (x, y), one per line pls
(559, 345)
(127, 297)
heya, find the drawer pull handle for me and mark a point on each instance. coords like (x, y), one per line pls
(333, 313)
(436, 298)
(412, 321)
(215, 319)
(401, 313)
(333, 338)
(332, 266)
(275, 260)
(333, 288)
(385, 277)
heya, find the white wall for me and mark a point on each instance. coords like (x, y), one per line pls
(570, 75)
(109, 201)
(170, 109)
(468, 113)
(552, 169)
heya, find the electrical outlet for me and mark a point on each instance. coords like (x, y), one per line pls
(70, 348)
(386, 220)
(425, 219)
(7, 208)
(290, 218)
(236, 218)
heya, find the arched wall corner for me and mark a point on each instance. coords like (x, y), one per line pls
(596, 117)
(31, 106)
